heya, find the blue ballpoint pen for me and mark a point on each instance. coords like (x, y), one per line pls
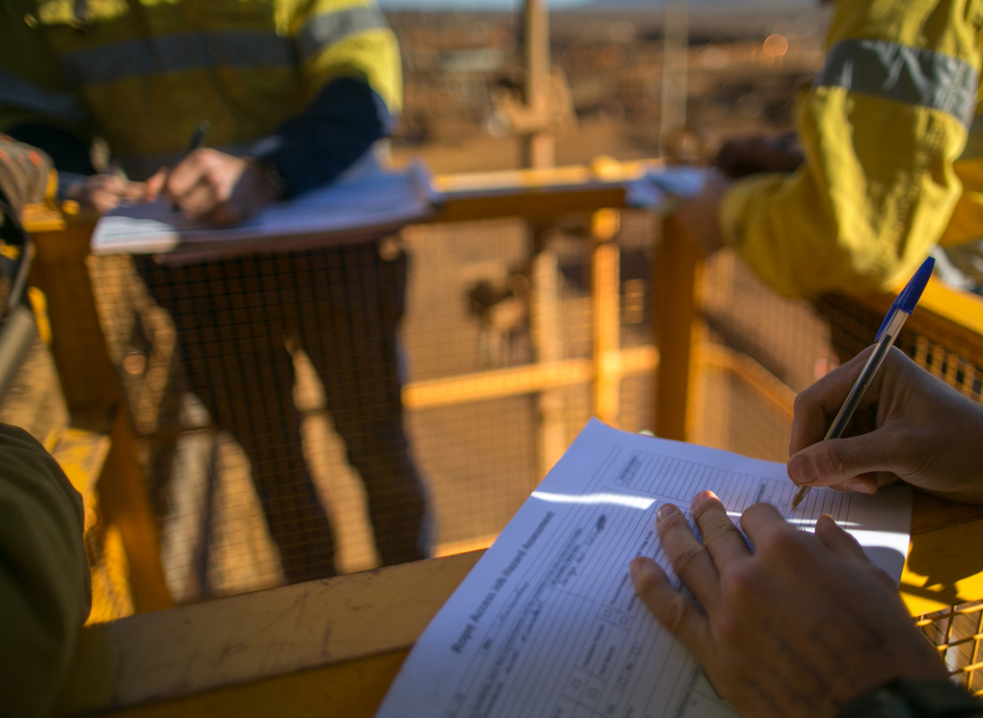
(900, 310)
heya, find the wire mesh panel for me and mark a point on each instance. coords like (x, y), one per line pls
(468, 298)
(286, 403)
(752, 332)
(956, 357)
(471, 316)
(258, 348)
(480, 460)
(956, 633)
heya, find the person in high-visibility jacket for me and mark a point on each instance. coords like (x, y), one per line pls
(887, 173)
(295, 91)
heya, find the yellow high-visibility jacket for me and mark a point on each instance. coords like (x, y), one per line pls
(884, 128)
(143, 73)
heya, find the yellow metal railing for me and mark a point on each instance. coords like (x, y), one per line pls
(945, 335)
(90, 379)
(943, 581)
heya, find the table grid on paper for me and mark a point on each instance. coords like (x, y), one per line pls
(679, 480)
(600, 671)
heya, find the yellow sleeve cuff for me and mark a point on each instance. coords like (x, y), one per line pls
(739, 201)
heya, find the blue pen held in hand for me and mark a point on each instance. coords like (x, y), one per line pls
(900, 310)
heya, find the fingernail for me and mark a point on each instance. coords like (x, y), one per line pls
(858, 487)
(665, 511)
(640, 566)
(698, 500)
(801, 470)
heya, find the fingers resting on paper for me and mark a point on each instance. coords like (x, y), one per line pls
(796, 629)
(721, 539)
(680, 615)
(697, 565)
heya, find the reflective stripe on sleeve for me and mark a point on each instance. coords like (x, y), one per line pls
(902, 73)
(21, 94)
(327, 28)
(174, 53)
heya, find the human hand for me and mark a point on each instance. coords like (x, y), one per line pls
(798, 629)
(909, 425)
(743, 156)
(700, 215)
(106, 191)
(214, 187)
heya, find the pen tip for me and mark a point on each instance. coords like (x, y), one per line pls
(796, 500)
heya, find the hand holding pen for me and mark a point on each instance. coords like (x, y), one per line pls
(900, 310)
(161, 180)
(214, 187)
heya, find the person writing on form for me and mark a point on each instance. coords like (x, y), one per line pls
(806, 625)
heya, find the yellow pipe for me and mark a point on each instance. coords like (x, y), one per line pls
(529, 379)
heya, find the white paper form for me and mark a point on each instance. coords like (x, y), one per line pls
(548, 624)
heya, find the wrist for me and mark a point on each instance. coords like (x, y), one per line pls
(915, 699)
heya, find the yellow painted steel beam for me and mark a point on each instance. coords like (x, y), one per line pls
(679, 330)
(528, 379)
(606, 299)
(944, 566)
(538, 194)
(253, 655)
(602, 171)
(534, 194)
(536, 205)
(353, 689)
(453, 548)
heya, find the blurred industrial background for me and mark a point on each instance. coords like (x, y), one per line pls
(538, 295)
(471, 292)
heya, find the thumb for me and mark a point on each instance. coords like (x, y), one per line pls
(838, 460)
